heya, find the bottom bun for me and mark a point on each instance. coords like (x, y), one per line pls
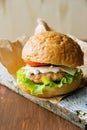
(65, 89)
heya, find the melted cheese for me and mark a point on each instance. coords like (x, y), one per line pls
(45, 69)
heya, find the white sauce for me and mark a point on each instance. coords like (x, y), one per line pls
(45, 69)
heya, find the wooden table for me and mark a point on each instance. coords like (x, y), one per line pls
(18, 113)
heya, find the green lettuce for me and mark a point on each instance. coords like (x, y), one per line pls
(36, 89)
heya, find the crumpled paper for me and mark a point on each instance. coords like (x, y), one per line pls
(10, 56)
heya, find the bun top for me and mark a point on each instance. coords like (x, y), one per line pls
(53, 48)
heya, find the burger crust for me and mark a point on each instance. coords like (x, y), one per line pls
(53, 48)
(51, 92)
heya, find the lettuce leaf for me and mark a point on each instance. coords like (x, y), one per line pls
(22, 79)
(36, 89)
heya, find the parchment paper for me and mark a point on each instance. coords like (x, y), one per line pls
(10, 57)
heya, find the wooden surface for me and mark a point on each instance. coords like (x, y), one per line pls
(18, 113)
(72, 108)
(15, 110)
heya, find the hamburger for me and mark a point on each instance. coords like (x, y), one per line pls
(52, 65)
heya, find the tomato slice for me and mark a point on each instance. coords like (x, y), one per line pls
(31, 63)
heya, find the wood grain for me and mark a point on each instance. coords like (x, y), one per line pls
(18, 113)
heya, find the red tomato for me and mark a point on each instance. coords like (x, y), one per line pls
(31, 63)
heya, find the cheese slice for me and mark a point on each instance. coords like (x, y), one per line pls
(45, 69)
(69, 70)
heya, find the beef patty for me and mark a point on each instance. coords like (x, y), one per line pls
(50, 75)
